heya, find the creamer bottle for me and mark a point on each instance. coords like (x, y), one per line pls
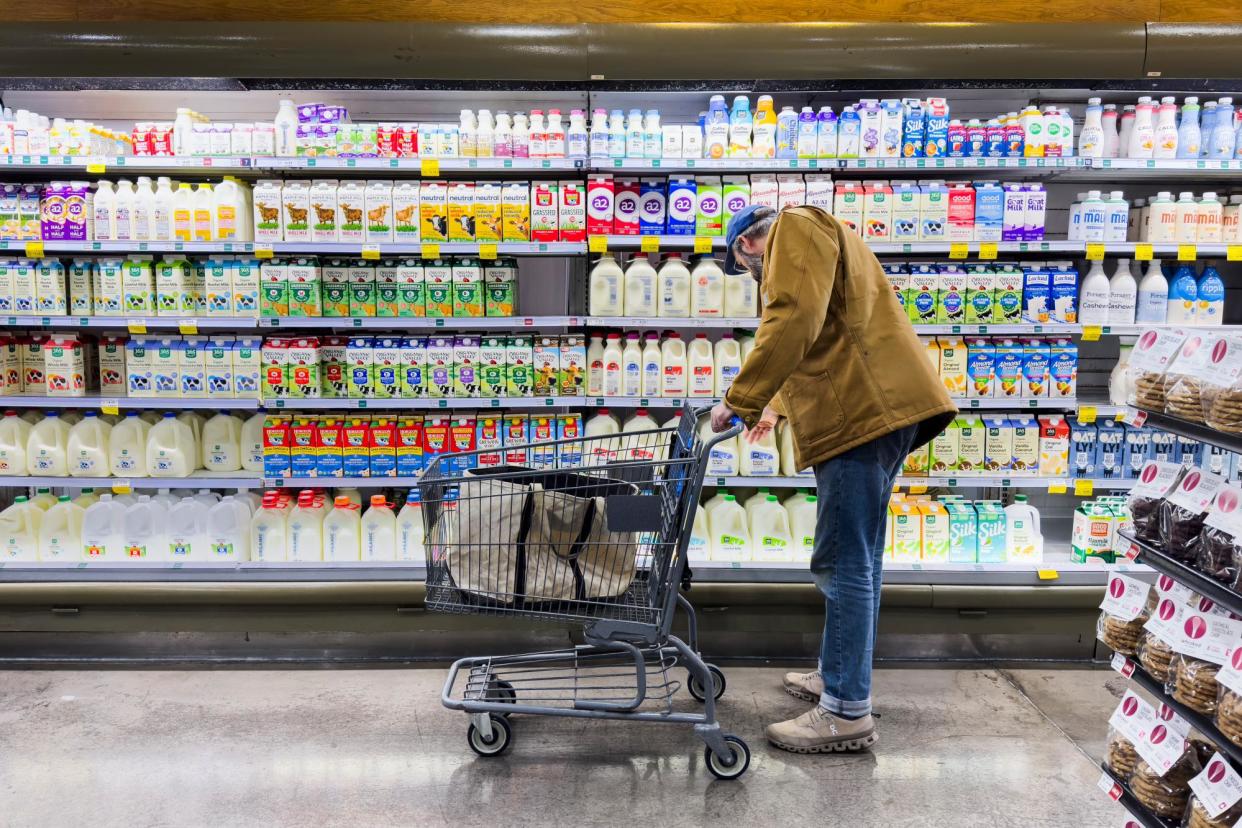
(729, 533)
(653, 367)
(14, 437)
(613, 375)
(741, 122)
(631, 366)
(183, 203)
(521, 136)
(103, 530)
(1209, 219)
(1093, 296)
(88, 447)
(342, 532)
(826, 138)
(379, 531)
(616, 134)
(269, 531)
(1091, 139)
(674, 288)
(606, 287)
(640, 288)
(595, 367)
(170, 448)
(707, 289)
(728, 362)
(1143, 136)
(653, 135)
(673, 366)
(741, 296)
(144, 528)
(808, 137)
(123, 211)
(1112, 140)
(127, 447)
(701, 362)
(802, 513)
(1187, 218)
(1166, 130)
(771, 538)
(103, 209)
(411, 529)
(60, 531)
(47, 448)
(222, 445)
(599, 134)
(1189, 136)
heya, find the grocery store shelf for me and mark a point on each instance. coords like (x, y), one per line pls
(188, 323)
(210, 571)
(922, 165)
(1149, 555)
(1046, 328)
(340, 482)
(661, 242)
(973, 248)
(723, 323)
(1203, 724)
(978, 404)
(198, 480)
(54, 246)
(153, 403)
(401, 324)
(442, 248)
(99, 165)
(1176, 425)
(381, 404)
(715, 165)
(441, 165)
(1120, 793)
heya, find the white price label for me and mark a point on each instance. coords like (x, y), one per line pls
(1166, 620)
(1125, 597)
(1196, 491)
(1123, 665)
(1109, 787)
(1133, 718)
(1218, 787)
(1170, 587)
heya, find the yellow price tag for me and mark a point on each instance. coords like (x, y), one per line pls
(1057, 487)
(430, 251)
(1187, 252)
(488, 251)
(371, 252)
(1233, 253)
(649, 244)
(702, 244)
(1095, 252)
(1091, 333)
(430, 167)
(1083, 488)
(1143, 253)
(920, 489)
(988, 250)
(1087, 414)
(34, 250)
(1048, 574)
(188, 326)
(110, 407)
(959, 250)
(122, 487)
(136, 326)
(263, 253)
(597, 244)
(97, 168)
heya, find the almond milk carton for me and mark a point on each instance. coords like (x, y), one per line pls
(378, 215)
(268, 207)
(323, 200)
(460, 201)
(406, 215)
(433, 209)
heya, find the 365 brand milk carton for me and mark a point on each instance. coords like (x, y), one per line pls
(682, 207)
(626, 206)
(935, 531)
(905, 218)
(600, 196)
(1053, 446)
(906, 528)
(933, 211)
(971, 444)
(1025, 444)
(515, 211)
(459, 200)
(878, 212)
(848, 204)
(961, 212)
(708, 205)
(247, 366)
(651, 207)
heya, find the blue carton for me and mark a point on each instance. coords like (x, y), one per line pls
(1112, 446)
(989, 211)
(1189, 451)
(913, 128)
(936, 144)
(682, 207)
(1036, 295)
(1065, 295)
(1083, 444)
(1138, 451)
(1163, 446)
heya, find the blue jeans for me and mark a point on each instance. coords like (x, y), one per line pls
(853, 492)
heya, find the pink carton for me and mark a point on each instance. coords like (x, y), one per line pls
(961, 212)
(573, 212)
(626, 207)
(600, 197)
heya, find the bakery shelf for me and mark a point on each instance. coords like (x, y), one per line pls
(152, 403)
(1195, 431)
(1147, 554)
(1126, 799)
(198, 480)
(1203, 724)
(403, 324)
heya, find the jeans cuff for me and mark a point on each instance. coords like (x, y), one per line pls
(840, 707)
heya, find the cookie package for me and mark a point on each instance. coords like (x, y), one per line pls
(1221, 386)
(1154, 352)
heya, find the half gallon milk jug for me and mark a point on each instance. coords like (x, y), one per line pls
(707, 289)
(411, 530)
(14, 436)
(674, 288)
(640, 288)
(702, 364)
(89, 447)
(771, 538)
(722, 459)
(47, 448)
(741, 296)
(652, 367)
(170, 448)
(802, 512)
(673, 366)
(144, 530)
(127, 447)
(1026, 543)
(103, 530)
(222, 445)
(729, 533)
(595, 367)
(187, 531)
(304, 540)
(631, 366)
(728, 362)
(269, 530)
(762, 457)
(379, 531)
(19, 531)
(613, 373)
(352, 495)
(342, 532)
(60, 532)
(252, 443)
(606, 283)
(700, 537)
(228, 529)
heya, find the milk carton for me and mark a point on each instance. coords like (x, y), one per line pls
(998, 445)
(905, 218)
(1139, 450)
(467, 288)
(1034, 216)
(355, 450)
(515, 211)
(488, 216)
(708, 205)
(359, 367)
(439, 370)
(765, 191)
(516, 428)
(989, 211)
(386, 366)
(519, 366)
(547, 366)
(572, 211)
(980, 294)
(899, 277)
(878, 212)
(438, 289)
(946, 449)
(543, 430)
(378, 207)
(407, 212)
(218, 287)
(1064, 289)
(305, 292)
(1063, 369)
(330, 448)
(302, 363)
(491, 370)
(137, 285)
(935, 531)
(489, 441)
(1013, 219)
(819, 193)
(139, 361)
(247, 367)
(980, 369)
(410, 447)
(64, 367)
(192, 366)
(907, 535)
(544, 211)
(627, 204)
(432, 210)
(790, 191)
(387, 291)
(459, 203)
(936, 144)
(334, 278)
(411, 287)
(414, 379)
(600, 197)
(1036, 368)
(961, 212)
(922, 297)
(569, 427)
(848, 205)
(1025, 444)
(682, 207)
(246, 287)
(323, 200)
(1010, 356)
(971, 445)
(1083, 449)
(466, 358)
(991, 531)
(917, 462)
(268, 208)
(1053, 446)
(112, 379)
(933, 211)
(951, 295)
(463, 431)
(303, 448)
(651, 207)
(276, 440)
(573, 366)
(1037, 295)
(351, 211)
(166, 367)
(1007, 298)
(274, 287)
(963, 532)
(218, 366)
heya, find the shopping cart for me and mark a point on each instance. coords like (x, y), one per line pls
(593, 531)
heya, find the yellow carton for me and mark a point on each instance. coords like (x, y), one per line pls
(907, 532)
(935, 531)
(953, 365)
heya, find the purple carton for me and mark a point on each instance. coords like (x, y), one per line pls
(1013, 223)
(52, 211)
(651, 207)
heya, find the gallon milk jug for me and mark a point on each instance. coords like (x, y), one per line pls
(352, 495)
(186, 531)
(88, 447)
(752, 503)
(785, 442)
(252, 443)
(707, 289)
(166, 497)
(606, 282)
(700, 537)
(195, 421)
(379, 531)
(702, 364)
(600, 450)
(411, 530)
(86, 498)
(60, 532)
(222, 445)
(304, 541)
(14, 437)
(730, 535)
(771, 538)
(43, 499)
(127, 447)
(228, 529)
(47, 448)
(728, 361)
(718, 497)
(674, 286)
(613, 373)
(722, 459)
(647, 446)
(103, 530)
(802, 512)
(342, 532)
(170, 448)
(207, 497)
(673, 366)
(1026, 544)
(19, 531)
(145, 523)
(761, 458)
(268, 531)
(640, 288)
(741, 296)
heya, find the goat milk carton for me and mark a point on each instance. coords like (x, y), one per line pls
(1013, 216)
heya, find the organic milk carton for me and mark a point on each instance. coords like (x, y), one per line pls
(439, 370)
(438, 288)
(1053, 446)
(516, 437)
(111, 366)
(334, 366)
(573, 366)
(848, 204)
(600, 197)
(905, 218)
(515, 211)
(356, 450)
(192, 366)
(246, 287)
(1064, 286)
(64, 367)
(489, 440)
(387, 291)
(379, 214)
(218, 286)
(466, 366)
(467, 288)
(971, 445)
(652, 207)
(991, 532)
(765, 191)
(1036, 362)
(459, 204)
(989, 211)
(435, 438)
(387, 361)
(295, 198)
(500, 288)
(998, 445)
(137, 285)
(547, 366)
(165, 367)
(303, 453)
(1007, 296)
(935, 531)
(351, 210)
(247, 366)
(951, 295)
(51, 292)
(411, 287)
(899, 277)
(878, 212)
(946, 449)
(819, 193)
(572, 211)
(359, 366)
(980, 294)
(492, 382)
(917, 462)
(409, 447)
(961, 212)
(790, 191)
(323, 200)
(218, 366)
(414, 367)
(544, 211)
(172, 290)
(906, 531)
(519, 366)
(274, 285)
(1063, 368)
(933, 211)
(268, 206)
(432, 210)
(302, 368)
(81, 290)
(139, 376)
(923, 294)
(1026, 438)
(963, 532)
(407, 212)
(682, 207)
(980, 368)
(330, 448)
(276, 439)
(305, 290)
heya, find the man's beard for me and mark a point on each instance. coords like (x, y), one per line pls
(753, 263)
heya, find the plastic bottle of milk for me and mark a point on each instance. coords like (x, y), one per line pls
(485, 138)
(701, 363)
(673, 366)
(808, 134)
(468, 134)
(166, 497)
(1166, 129)
(221, 441)
(1189, 136)
(170, 448)
(1143, 134)
(342, 532)
(144, 528)
(674, 288)
(1209, 217)
(88, 447)
(269, 531)
(206, 497)
(1111, 138)
(1153, 297)
(162, 218)
(729, 533)
(103, 210)
(187, 531)
(599, 135)
(728, 362)
(741, 296)
(19, 531)
(1211, 295)
(576, 140)
(650, 447)
(802, 513)
(123, 210)
(252, 443)
(554, 138)
(411, 529)
(204, 222)
(771, 538)
(60, 531)
(640, 288)
(502, 136)
(1094, 217)
(700, 545)
(653, 367)
(127, 447)
(103, 530)
(1183, 297)
(379, 531)
(606, 287)
(1024, 541)
(761, 458)
(1224, 134)
(613, 375)
(1122, 295)
(707, 289)
(724, 459)
(1116, 217)
(43, 499)
(286, 129)
(228, 529)
(47, 448)
(1093, 296)
(653, 135)
(230, 215)
(14, 437)
(595, 366)
(635, 137)
(826, 133)
(144, 209)
(616, 134)
(1091, 139)
(602, 425)
(183, 213)
(631, 366)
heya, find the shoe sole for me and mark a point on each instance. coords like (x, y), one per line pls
(844, 746)
(798, 693)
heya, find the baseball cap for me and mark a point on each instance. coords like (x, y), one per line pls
(739, 224)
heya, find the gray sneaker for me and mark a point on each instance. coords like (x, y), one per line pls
(818, 731)
(805, 686)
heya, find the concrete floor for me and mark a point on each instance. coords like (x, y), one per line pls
(975, 747)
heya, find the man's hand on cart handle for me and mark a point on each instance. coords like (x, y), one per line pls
(722, 417)
(766, 423)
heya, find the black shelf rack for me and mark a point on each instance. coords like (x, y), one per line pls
(1128, 801)
(1195, 431)
(1186, 575)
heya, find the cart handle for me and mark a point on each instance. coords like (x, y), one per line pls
(699, 413)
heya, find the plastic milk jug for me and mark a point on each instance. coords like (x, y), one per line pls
(1026, 543)
(673, 364)
(785, 440)
(187, 531)
(127, 447)
(228, 529)
(144, 530)
(730, 535)
(771, 538)
(652, 367)
(88, 447)
(761, 458)
(195, 421)
(304, 535)
(728, 362)
(252, 443)
(14, 436)
(379, 531)
(342, 532)
(86, 498)
(741, 296)
(802, 512)
(103, 530)
(707, 289)
(700, 537)
(43, 499)
(631, 366)
(60, 531)
(701, 363)
(612, 368)
(170, 448)
(222, 444)
(650, 447)
(595, 367)
(47, 448)
(606, 283)
(600, 451)
(411, 530)
(269, 530)
(674, 288)
(19, 531)
(723, 459)
(640, 288)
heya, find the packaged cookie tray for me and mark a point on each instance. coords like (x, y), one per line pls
(1150, 554)
(1199, 723)
(1136, 808)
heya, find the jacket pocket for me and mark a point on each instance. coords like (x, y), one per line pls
(814, 408)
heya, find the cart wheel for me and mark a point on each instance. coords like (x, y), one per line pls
(736, 766)
(502, 692)
(502, 736)
(695, 685)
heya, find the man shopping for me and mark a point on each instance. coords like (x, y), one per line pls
(835, 355)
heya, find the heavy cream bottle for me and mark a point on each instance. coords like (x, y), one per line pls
(612, 373)
(728, 362)
(771, 538)
(88, 447)
(702, 367)
(673, 366)
(653, 367)
(640, 288)
(730, 536)
(606, 287)
(707, 289)
(802, 513)
(674, 288)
